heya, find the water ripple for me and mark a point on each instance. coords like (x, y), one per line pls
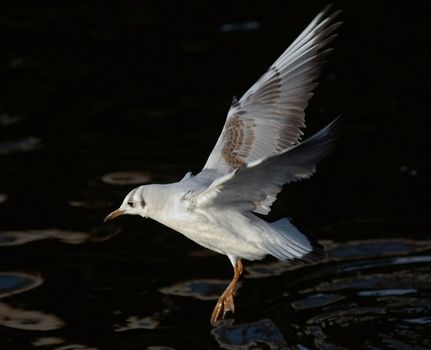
(98, 233)
(20, 145)
(135, 322)
(246, 336)
(127, 178)
(205, 289)
(17, 282)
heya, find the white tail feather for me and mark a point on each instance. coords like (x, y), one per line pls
(288, 243)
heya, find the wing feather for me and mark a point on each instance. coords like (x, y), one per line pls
(269, 117)
(255, 186)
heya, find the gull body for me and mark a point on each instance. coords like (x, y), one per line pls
(258, 151)
(218, 228)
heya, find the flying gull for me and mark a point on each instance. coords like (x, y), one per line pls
(259, 150)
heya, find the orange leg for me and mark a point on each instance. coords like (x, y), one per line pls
(225, 302)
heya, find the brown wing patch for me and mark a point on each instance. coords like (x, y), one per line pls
(239, 141)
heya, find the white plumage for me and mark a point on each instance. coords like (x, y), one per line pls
(258, 151)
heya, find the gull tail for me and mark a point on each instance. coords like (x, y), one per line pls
(290, 244)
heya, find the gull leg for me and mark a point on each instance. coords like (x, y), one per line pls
(225, 303)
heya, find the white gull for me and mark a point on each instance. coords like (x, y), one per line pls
(258, 151)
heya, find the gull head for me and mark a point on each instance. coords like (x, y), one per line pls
(133, 204)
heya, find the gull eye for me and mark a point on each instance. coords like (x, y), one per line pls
(131, 204)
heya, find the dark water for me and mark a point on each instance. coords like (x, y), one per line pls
(95, 100)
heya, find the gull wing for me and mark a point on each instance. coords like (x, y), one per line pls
(254, 187)
(269, 117)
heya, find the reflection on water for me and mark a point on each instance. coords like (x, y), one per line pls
(351, 250)
(407, 170)
(373, 248)
(75, 347)
(420, 320)
(7, 119)
(10, 238)
(246, 336)
(3, 198)
(364, 284)
(127, 178)
(28, 319)
(21, 145)
(134, 322)
(386, 292)
(394, 261)
(199, 289)
(240, 26)
(90, 204)
(100, 233)
(301, 306)
(18, 282)
(401, 279)
(316, 300)
(45, 341)
(389, 287)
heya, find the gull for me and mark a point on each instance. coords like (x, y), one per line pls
(259, 150)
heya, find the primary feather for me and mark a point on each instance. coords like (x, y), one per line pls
(269, 117)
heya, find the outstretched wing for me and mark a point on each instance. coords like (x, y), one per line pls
(269, 117)
(255, 186)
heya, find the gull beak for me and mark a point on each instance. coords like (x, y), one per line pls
(114, 214)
